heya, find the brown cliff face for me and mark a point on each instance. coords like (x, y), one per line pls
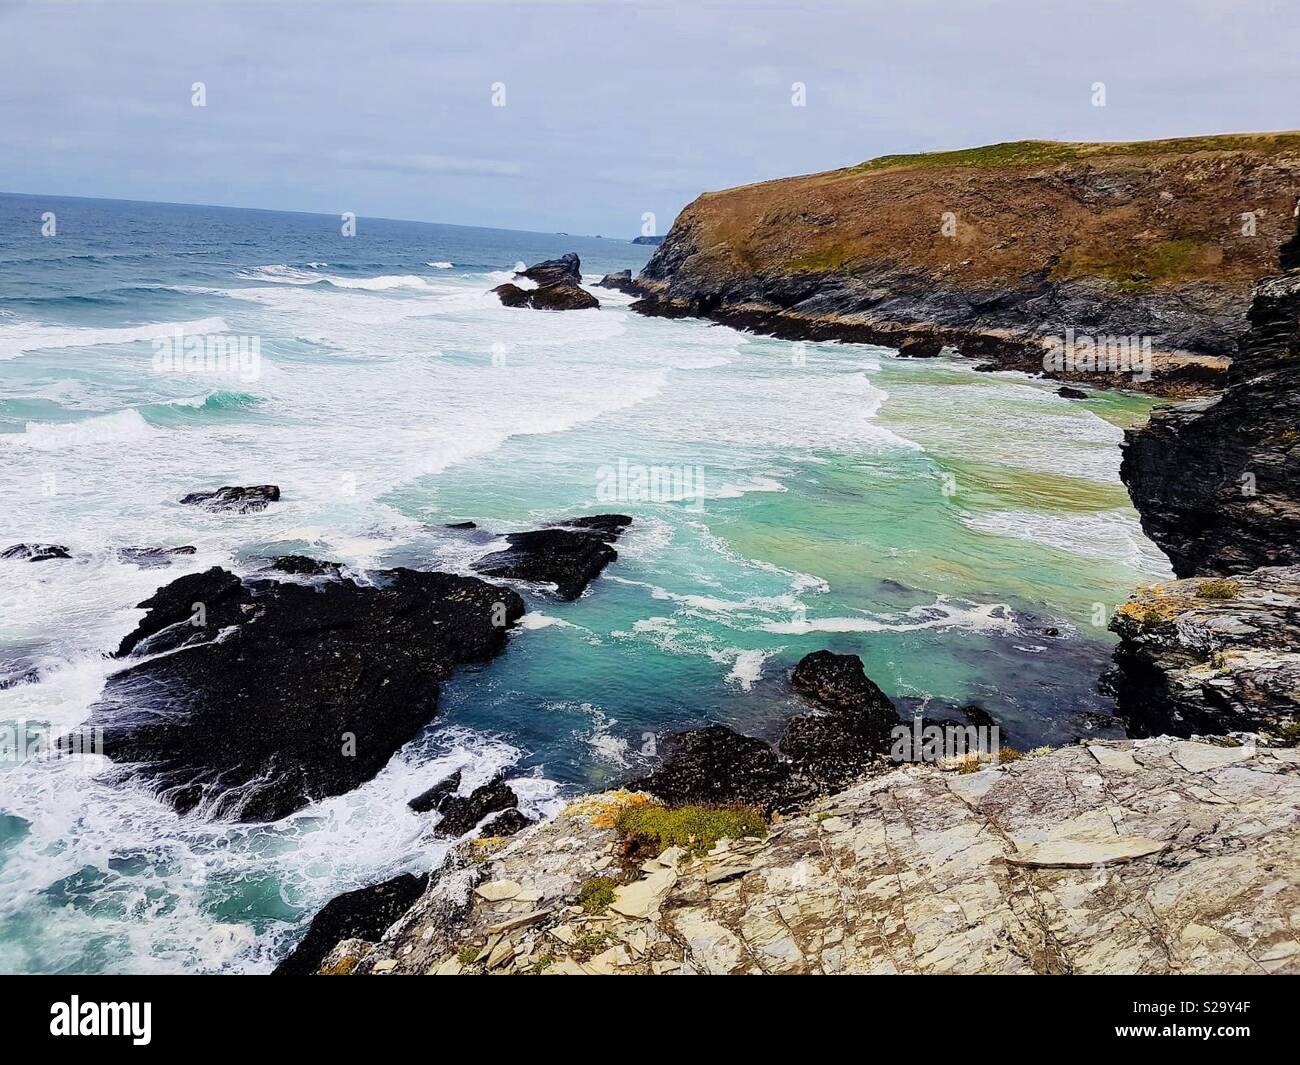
(996, 251)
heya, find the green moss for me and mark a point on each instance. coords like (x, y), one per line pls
(1132, 268)
(1218, 589)
(596, 894)
(466, 955)
(697, 828)
(588, 944)
(541, 964)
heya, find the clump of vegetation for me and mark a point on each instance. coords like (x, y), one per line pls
(1289, 734)
(1219, 588)
(1009, 754)
(596, 894)
(696, 828)
(343, 967)
(541, 964)
(466, 955)
(588, 944)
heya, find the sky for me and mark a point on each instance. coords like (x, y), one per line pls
(586, 117)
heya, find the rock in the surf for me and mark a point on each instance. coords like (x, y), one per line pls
(361, 914)
(239, 499)
(280, 693)
(558, 288)
(461, 813)
(152, 557)
(569, 556)
(35, 552)
(716, 764)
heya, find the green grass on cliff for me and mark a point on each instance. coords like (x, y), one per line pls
(696, 828)
(1032, 153)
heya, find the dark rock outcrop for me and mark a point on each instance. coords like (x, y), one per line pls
(647, 240)
(834, 747)
(838, 682)
(570, 555)
(35, 552)
(506, 824)
(1217, 482)
(461, 813)
(240, 499)
(303, 566)
(1066, 392)
(279, 693)
(920, 346)
(1210, 655)
(620, 282)
(559, 287)
(152, 557)
(428, 800)
(566, 270)
(361, 914)
(715, 764)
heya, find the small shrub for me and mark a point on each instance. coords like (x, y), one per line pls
(596, 894)
(696, 828)
(1289, 734)
(1218, 589)
(466, 955)
(1008, 754)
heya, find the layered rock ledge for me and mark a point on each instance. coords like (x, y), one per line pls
(1159, 856)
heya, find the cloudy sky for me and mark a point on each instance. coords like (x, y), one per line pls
(612, 109)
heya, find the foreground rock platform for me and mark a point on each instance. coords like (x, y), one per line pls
(1156, 856)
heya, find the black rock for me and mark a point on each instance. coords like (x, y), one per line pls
(978, 716)
(279, 694)
(461, 813)
(569, 557)
(838, 682)
(620, 282)
(513, 296)
(833, 749)
(715, 764)
(461, 525)
(1071, 393)
(429, 799)
(35, 552)
(361, 914)
(920, 347)
(152, 557)
(506, 824)
(303, 566)
(241, 499)
(566, 270)
(1217, 482)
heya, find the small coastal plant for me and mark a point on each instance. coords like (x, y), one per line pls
(596, 894)
(696, 828)
(1218, 589)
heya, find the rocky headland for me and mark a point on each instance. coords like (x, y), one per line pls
(996, 252)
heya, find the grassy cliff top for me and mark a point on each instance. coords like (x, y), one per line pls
(1143, 214)
(1035, 153)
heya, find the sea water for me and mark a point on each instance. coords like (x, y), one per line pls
(937, 521)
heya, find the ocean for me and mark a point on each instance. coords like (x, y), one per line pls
(965, 533)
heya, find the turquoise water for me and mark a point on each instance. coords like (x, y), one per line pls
(934, 520)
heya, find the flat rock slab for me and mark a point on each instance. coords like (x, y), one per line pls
(1084, 853)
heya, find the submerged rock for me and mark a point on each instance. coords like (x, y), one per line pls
(279, 694)
(570, 556)
(35, 552)
(240, 499)
(1066, 392)
(152, 557)
(361, 914)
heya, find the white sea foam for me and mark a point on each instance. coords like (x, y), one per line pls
(108, 430)
(18, 338)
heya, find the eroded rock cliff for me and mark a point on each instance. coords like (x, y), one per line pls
(998, 251)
